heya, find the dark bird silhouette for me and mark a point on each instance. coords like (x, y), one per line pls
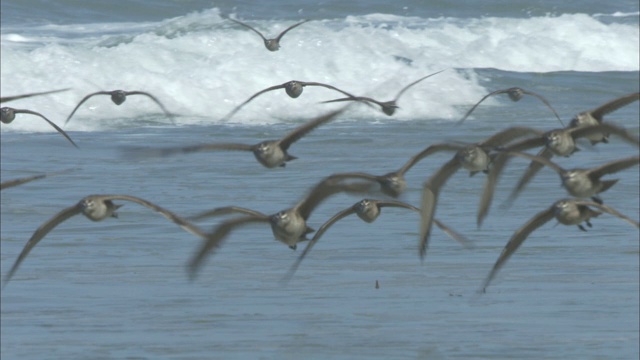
(270, 44)
(7, 115)
(515, 94)
(388, 107)
(96, 208)
(567, 212)
(120, 96)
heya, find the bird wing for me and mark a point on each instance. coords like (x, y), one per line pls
(507, 135)
(304, 129)
(215, 239)
(326, 86)
(430, 193)
(20, 181)
(608, 210)
(85, 99)
(517, 239)
(18, 111)
(141, 152)
(166, 112)
(461, 239)
(314, 240)
(531, 171)
(326, 188)
(614, 166)
(539, 97)
(249, 27)
(584, 131)
(396, 203)
(22, 96)
(614, 105)
(501, 91)
(225, 211)
(185, 225)
(237, 108)
(289, 28)
(413, 83)
(431, 149)
(40, 233)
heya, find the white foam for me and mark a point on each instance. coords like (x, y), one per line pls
(201, 65)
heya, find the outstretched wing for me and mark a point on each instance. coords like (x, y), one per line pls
(413, 83)
(141, 152)
(608, 210)
(237, 108)
(430, 194)
(326, 86)
(301, 131)
(539, 97)
(85, 99)
(22, 96)
(431, 149)
(18, 111)
(316, 237)
(185, 225)
(225, 211)
(20, 181)
(516, 240)
(166, 112)
(614, 166)
(249, 27)
(215, 239)
(531, 171)
(289, 28)
(614, 105)
(40, 233)
(501, 91)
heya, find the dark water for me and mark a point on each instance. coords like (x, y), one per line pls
(119, 288)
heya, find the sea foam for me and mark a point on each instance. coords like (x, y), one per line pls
(201, 65)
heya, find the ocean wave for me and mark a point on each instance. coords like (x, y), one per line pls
(202, 65)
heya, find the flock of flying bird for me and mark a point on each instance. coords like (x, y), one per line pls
(289, 226)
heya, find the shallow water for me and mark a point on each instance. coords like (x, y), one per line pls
(119, 288)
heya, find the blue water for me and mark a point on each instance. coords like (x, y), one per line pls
(119, 288)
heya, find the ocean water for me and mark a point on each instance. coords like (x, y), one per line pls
(119, 288)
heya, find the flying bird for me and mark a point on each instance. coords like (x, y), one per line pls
(560, 142)
(474, 158)
(515, 94)
(270, 153)
(96, 208)
(120, 96)
(7, 115)
(288, 226)
(270, 44)
(293, 88)
(596, 116)
(368, 210)
(387, 107)
(567, 212)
